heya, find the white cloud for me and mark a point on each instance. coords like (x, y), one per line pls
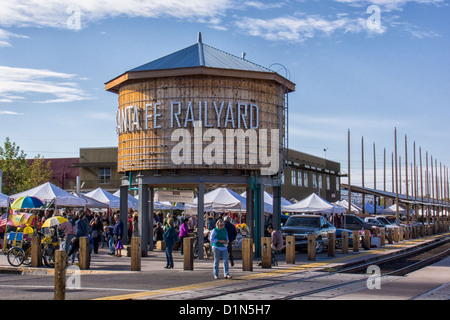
(56, 13)
(389, 5)
(17, 83)
(299, 29)
(10, 113)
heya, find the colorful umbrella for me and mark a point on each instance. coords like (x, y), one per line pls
(53, 221)
(21, 219)
(27, 202)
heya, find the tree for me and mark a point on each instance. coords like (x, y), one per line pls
(39, 172)
(15, 168)
(18, 174)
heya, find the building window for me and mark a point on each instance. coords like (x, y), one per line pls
(314, 180)
(300, 178)
(282, 178)
(328, 183)
(104, 175)
(338, 184)
(319, 177)
(305, 179)
(293, 177)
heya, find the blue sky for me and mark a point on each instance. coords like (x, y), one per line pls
(55, 57)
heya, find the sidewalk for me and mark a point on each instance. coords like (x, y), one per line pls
(103, 263)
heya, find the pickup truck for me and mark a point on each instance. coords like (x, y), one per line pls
(301, 226)
(354, 222)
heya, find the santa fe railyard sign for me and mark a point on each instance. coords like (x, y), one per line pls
(212, 133)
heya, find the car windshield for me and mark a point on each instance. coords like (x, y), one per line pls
(383, 220)
(303, 221)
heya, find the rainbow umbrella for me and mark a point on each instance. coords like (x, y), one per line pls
(21, 219)
(27, 202)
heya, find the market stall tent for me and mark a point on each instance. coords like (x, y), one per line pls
(133, 203)
(313, 204)
(48, 192)
(91, 203)
(268, 201)
(344, 204)
(106, 197)
(220, 199)
(4, 200)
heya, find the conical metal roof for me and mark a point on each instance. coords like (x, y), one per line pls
(199, 58)
(201, 55)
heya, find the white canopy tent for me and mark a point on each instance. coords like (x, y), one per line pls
(106, 197)
(48, 192)
(164, 205)
(268, 201)
(220, 199)
(4, 200)
(133, 203)
(91, 203)
(313, 204)
(393, 210)
(344, 204)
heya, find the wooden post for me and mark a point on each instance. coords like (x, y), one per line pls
(407, 233)
(290, 249)
(344, 242)
(36, 256)
(390, 236)
(311, 247)
(266, 253)
(247, 254)
(396, 234)
(136, 252)
(366, 239)
(382, 237)
(331, 244)
(355, 235)
(400, 233)
(188, 253)
(60, 275)
(84, 253)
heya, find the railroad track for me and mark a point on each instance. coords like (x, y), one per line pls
(304, 285)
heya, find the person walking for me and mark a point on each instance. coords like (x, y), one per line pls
(69, 232)
(183, 233)
(96, 231)
(231, 231)
(219, 242)
(118, 233)
(170, 236)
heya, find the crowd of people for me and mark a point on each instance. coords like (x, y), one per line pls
(106, 229)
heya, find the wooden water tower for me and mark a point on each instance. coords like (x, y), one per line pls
(201, 117)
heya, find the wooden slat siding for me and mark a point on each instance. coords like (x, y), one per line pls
(137, 147)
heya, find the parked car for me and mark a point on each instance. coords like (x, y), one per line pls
(382, 222)
(353, 222)
(339, 237)
(393, 221)
(301, 226)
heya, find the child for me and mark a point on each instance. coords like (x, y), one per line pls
(119, 248)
